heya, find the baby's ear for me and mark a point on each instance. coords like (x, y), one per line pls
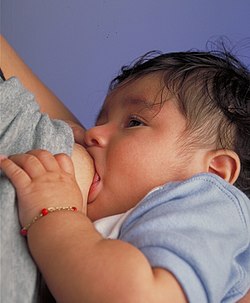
(224, 163)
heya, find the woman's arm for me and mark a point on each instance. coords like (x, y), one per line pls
(12, 65)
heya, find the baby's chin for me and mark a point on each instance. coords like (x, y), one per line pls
(84, 168)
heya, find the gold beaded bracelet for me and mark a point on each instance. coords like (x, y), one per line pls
(43, 213)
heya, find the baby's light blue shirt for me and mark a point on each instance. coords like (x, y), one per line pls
(199, 230)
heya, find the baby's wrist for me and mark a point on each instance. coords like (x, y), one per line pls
(29, 214)
(44, 212)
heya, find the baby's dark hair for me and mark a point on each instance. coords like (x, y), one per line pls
(212, 89)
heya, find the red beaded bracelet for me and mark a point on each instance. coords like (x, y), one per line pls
(43, 213)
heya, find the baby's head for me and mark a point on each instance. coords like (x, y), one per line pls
(165, 119)
(212, 90)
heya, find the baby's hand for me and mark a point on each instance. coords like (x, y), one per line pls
(41, 181)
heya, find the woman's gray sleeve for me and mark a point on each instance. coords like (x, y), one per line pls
(22, 128)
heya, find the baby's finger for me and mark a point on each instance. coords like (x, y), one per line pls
(65, 163)
(18, 177)
(30, 164)
(46, 158)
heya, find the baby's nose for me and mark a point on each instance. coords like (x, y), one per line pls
(96, 136)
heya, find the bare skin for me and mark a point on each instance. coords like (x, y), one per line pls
(62, 166)
(101, 262)
(12, 65)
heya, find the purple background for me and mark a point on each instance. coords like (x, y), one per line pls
(77, 46)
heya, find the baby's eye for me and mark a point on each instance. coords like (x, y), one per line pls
(134, 121)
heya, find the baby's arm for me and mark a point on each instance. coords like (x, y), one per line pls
(245, 299)
(77, 263)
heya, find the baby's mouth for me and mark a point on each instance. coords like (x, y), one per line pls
(93, 186)
(96, 178)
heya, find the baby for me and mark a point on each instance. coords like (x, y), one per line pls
(169, 143)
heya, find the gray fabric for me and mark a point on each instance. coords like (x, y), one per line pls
(22, 128)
